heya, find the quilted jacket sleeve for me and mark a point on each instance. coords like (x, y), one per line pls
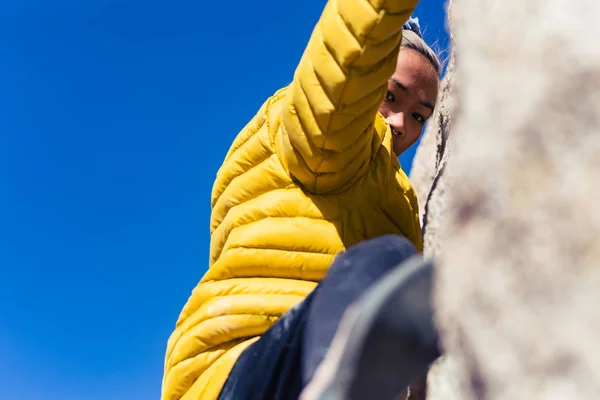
(330, 109)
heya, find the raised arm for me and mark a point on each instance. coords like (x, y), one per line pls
(329, 110)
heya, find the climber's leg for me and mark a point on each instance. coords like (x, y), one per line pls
(385, 341)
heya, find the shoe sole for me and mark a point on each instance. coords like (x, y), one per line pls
(385, 341)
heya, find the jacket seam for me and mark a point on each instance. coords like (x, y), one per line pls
(281, 249)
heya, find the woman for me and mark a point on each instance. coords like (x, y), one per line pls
(313, 173)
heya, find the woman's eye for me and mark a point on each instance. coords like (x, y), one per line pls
(389, 96)
(419, 118)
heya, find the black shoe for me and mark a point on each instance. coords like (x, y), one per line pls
(386, 340)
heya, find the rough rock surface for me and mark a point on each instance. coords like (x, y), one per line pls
(444, 381)
(424, 165)
(518, 285)
(427, 172)
(431, 184)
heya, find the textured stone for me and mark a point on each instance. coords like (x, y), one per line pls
(519, 280)
(427, 172)
(445, 380)
(424, 164)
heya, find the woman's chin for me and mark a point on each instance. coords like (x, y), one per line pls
(397, 147)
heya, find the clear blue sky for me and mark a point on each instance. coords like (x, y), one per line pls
(114, 118)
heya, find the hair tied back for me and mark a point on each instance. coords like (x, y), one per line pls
(413, 25)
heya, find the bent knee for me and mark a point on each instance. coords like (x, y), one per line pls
(390, 243)
(374, 256)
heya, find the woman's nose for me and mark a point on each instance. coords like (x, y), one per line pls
(396, 122)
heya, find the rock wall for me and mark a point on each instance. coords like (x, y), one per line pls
(444, 381)
(427, 172)
(518, 282)
(424, 165)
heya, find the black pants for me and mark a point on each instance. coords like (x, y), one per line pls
(285, 358)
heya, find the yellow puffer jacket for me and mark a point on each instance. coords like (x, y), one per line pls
(310, 175)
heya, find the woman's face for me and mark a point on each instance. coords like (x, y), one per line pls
(412, 93)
